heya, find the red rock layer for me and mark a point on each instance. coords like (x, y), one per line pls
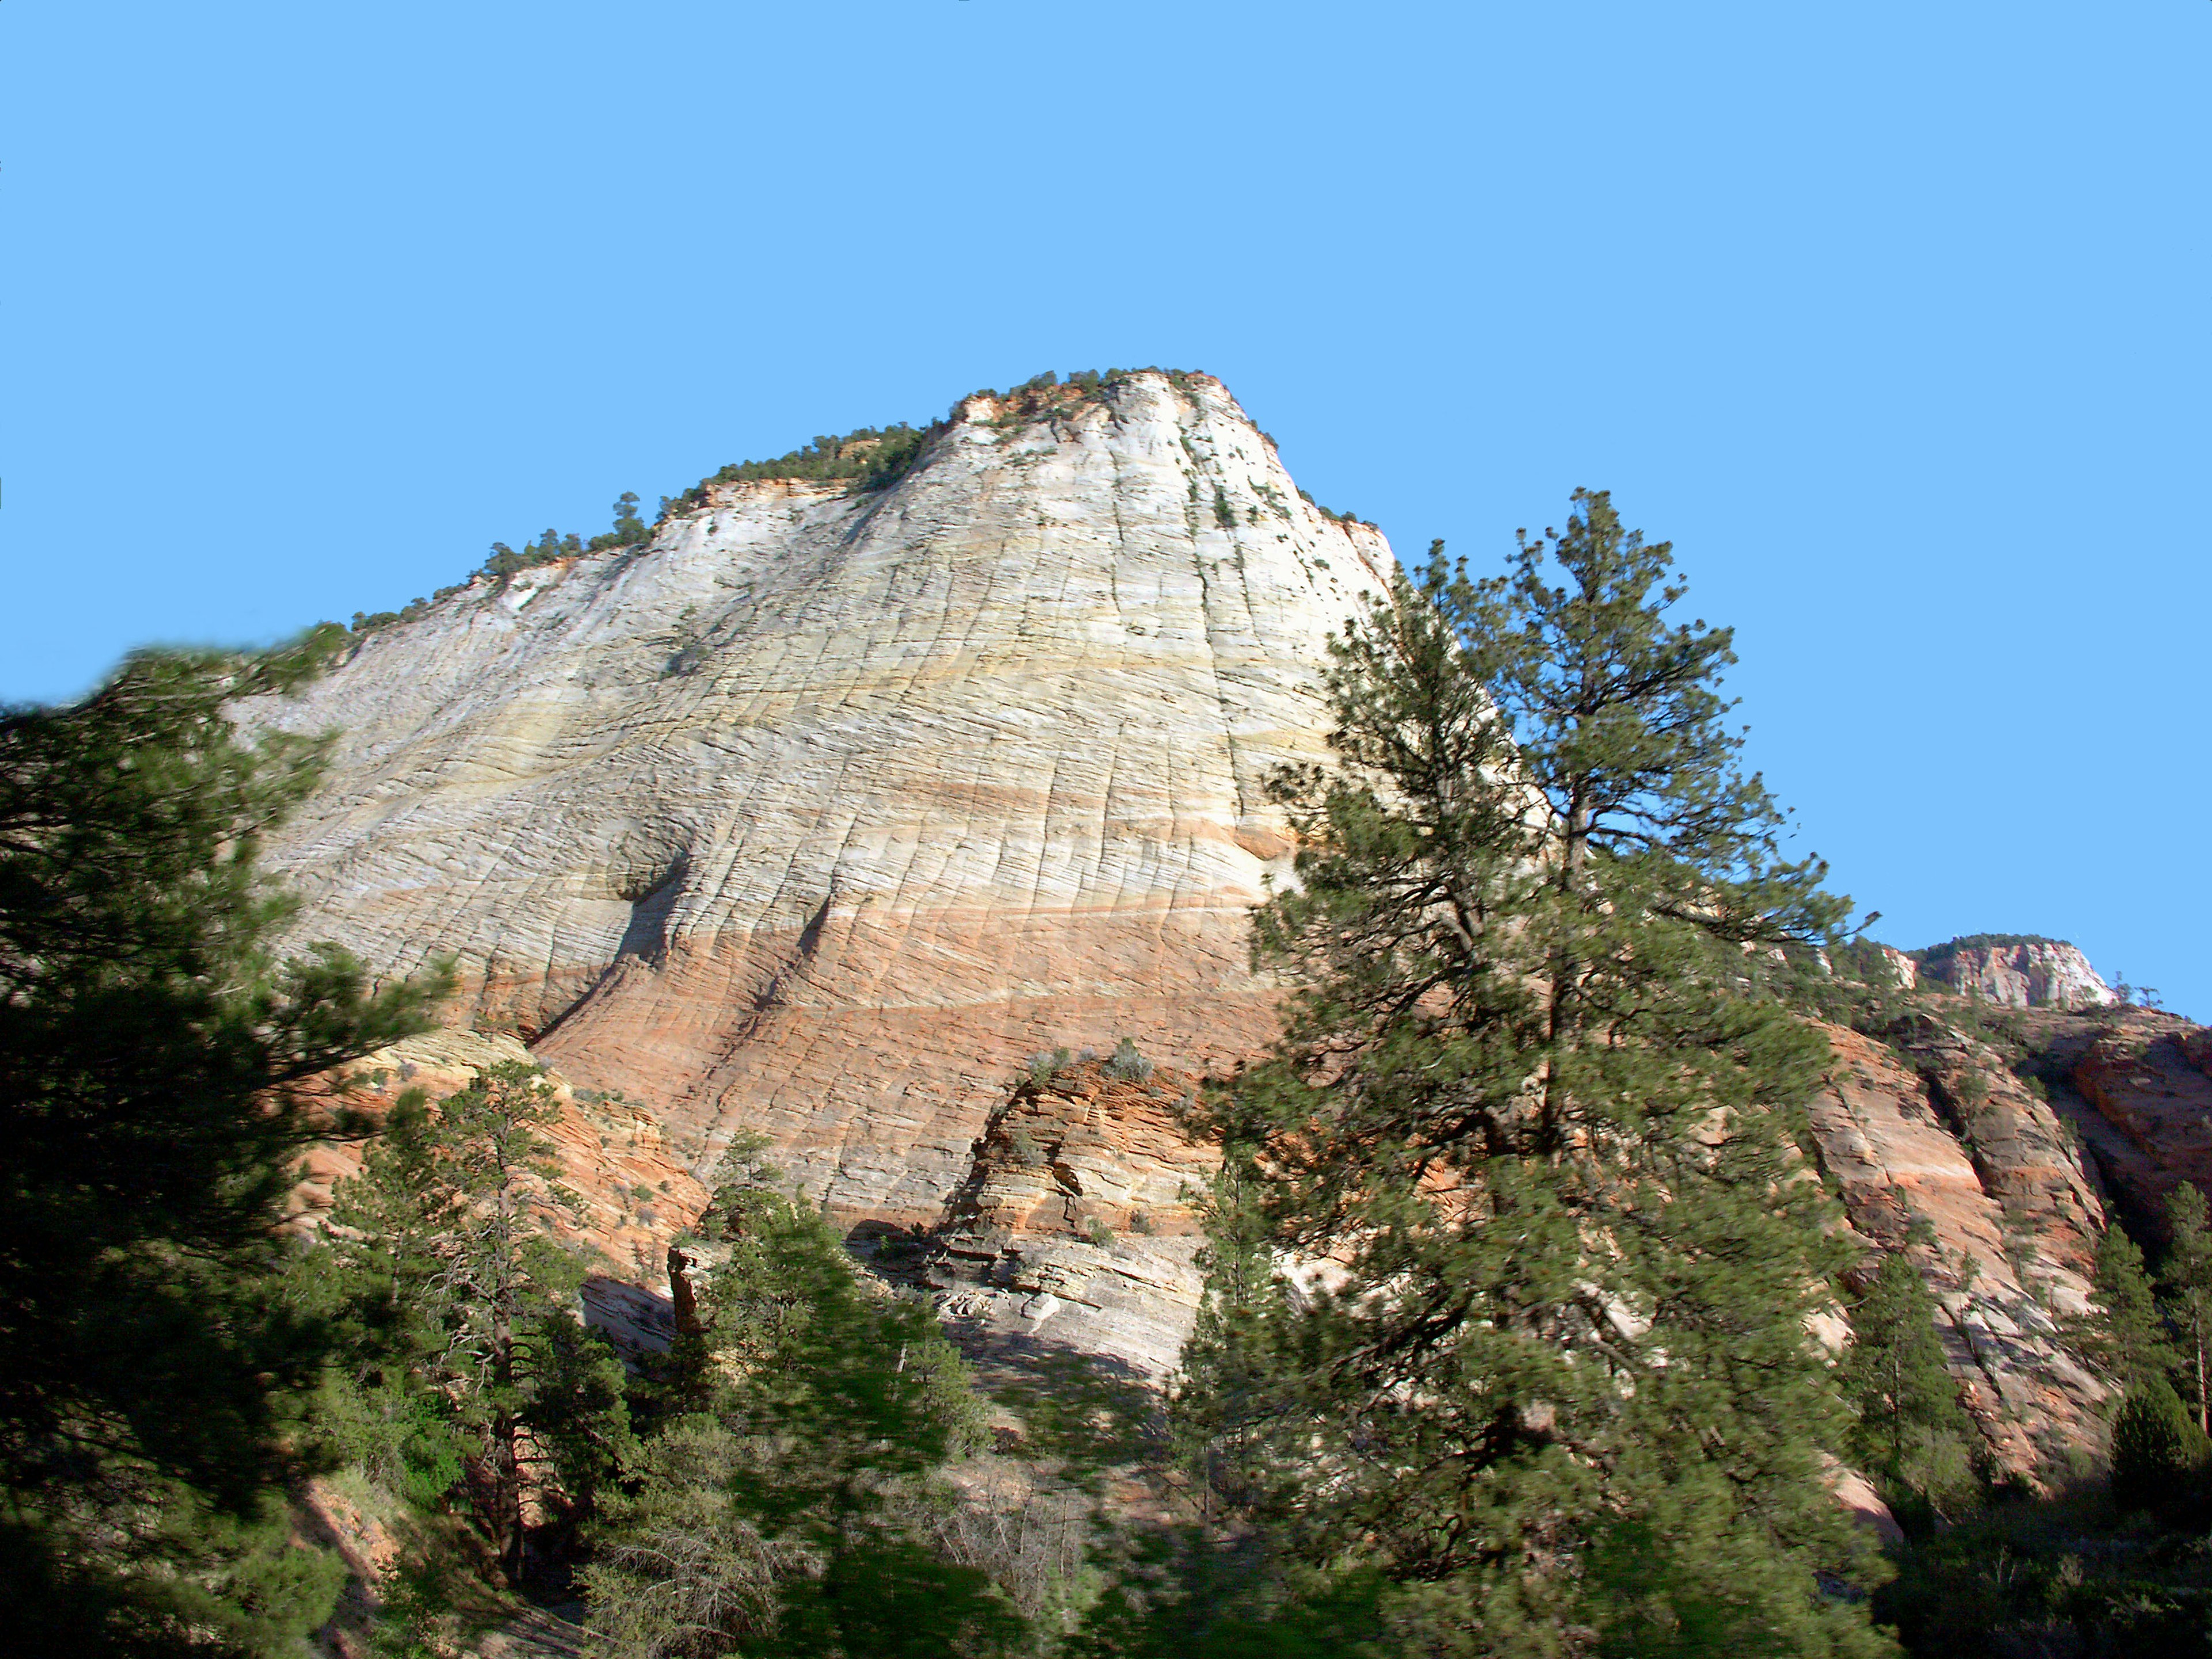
(1998, 1225)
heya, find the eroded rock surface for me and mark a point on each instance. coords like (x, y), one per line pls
(1976, 1182)
(1076, 1226)
(2026, 974)
(2149, 1076)
(820, 812)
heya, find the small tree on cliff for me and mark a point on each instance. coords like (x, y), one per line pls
(762, 1521)
(2124, 1333)
(1530, 1106)
(449, 1236)
(1913, 1436)
(2185, 1277)
(157, 1068)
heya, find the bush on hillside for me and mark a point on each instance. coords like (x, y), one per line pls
(2156, 1449)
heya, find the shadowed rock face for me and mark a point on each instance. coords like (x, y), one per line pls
(2149, 1076)
(820, 812)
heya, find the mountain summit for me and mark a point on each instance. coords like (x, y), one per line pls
(821, 810)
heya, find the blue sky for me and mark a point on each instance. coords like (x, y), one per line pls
(1893, 318)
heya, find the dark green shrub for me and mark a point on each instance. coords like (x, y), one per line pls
(2156, 1449)
(870, 458)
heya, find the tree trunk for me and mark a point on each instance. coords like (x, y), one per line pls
(2204, 1405)
(506, 1494)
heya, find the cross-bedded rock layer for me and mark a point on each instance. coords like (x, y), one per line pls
(820, 813)
(823, 812)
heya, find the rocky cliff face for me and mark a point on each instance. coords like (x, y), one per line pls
(1938, 1152)
(2018, 973)
(822, 810)
(1077, 1223)
(2148, 1078)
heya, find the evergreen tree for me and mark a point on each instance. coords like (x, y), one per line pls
(1913, 1436)
(2185, 1277)
(450, 1236)
(2124, 1334)
(158, 1070)
(2156, 1449)
(759, 1520)
(1551, 1375)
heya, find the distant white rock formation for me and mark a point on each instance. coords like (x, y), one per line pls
(2018, 973)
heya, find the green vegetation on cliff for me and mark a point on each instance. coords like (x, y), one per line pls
(1532, 1111)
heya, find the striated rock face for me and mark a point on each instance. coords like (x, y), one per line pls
(2149, 1078)
(1975, 1179)
(820, 812)
(1076, 1223)
(2026, 974)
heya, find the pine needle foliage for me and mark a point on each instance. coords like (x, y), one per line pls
(2124, 1334)
(760, 1519)
(2157, 1450)
(2184, 1281)
(450, 1238)
(157, 1080)
(1548, 1370)
(1913, 1436)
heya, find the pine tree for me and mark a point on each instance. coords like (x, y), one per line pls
(760, 1520)
(159, 1071)
(1552, 1377)
(2185, 1278)
(1913, 1436)
(2124, 1333)
(450, 1233)
(2156, 1449)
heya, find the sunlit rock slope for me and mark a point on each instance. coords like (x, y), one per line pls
(820, 811)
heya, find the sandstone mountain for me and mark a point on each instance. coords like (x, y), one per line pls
(830, 813)
(2017, 972)
(824, 810)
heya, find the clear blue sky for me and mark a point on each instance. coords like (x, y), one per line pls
(1893, 317)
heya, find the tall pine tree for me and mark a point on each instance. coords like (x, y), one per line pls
(2124, 1333)
(159, 1069)
(1913, 1436)
(2185, 1279)
(763, 1518)
(1547, 1367)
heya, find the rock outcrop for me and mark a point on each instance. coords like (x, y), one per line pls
(1937, 1152)
(2017, 973)
(1076, 1225)
(820, 812)
(2149, 1076)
